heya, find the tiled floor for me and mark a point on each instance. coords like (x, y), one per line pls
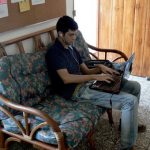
(143, 140)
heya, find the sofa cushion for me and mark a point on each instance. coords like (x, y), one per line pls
(54, 104)
(30, 72)
(75, 120)
(8, 86)
(82, 47)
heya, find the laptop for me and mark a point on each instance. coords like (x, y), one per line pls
(124, 70)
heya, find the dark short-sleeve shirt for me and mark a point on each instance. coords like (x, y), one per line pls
(57, 57)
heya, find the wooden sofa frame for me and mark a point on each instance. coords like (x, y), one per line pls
(27, 135)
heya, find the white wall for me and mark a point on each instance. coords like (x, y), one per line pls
(69, 6)
(87, 19)
(33, 28)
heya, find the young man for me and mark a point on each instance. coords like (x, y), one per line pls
(71, 78)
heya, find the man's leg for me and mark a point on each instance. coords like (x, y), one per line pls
(133, 88)
(127, 103)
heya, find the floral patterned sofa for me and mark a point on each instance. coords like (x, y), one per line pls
(30, 112)
(28, 109)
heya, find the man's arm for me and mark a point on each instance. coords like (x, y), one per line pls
(99, 68)
(68, 78)
(86, 70)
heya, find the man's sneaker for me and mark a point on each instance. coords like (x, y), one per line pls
(132, 148)
(141, 128)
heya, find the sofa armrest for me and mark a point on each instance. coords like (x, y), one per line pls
(106, 51)
(26, 133)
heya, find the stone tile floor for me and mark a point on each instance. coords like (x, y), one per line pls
(143, 141)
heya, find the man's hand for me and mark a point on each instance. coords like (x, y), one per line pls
(107, 70)
(104, 77)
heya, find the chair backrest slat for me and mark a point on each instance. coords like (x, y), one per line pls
(20, 47)
(37, 40)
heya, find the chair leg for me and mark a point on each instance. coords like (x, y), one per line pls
(91, 141)
(38, 148)
(1, 140)
(110, 117)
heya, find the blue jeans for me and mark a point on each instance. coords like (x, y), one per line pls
(126, 101)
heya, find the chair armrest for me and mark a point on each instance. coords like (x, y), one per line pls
(26, 132)
(106, 51)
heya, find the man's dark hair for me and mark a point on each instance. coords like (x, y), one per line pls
(65, 23)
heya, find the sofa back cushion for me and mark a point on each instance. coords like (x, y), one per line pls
(82, 47)
(8, 86)
(30, 72)
(24, 78)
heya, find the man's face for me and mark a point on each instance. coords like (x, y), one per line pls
(69, 37)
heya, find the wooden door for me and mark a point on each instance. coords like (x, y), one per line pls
(125, 25)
